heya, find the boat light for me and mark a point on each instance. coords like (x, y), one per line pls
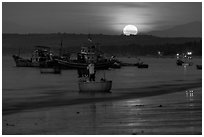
(189, 53)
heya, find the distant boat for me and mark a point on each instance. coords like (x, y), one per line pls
(92, 86)
(184, 59)
(141, 65)
(199, 66)
(41, 57)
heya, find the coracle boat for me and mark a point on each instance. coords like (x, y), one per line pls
(41, 57)
(92, 86)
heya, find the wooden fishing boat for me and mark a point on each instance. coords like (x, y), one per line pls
(184, 59)
(92, 86)
(41, 57)
(88, 53)
(70, 64)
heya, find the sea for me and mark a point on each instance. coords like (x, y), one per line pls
(23, 83)
(26, 94)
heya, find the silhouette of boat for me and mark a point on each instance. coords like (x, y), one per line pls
(41, 57)
(72, 64)
(87, 54)
(199, 66)
(92, 86)
(184, 59)
(141, 65)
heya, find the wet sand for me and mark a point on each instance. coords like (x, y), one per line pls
(168, 109)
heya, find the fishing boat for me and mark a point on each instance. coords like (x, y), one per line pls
(74, 64)
(41, 57)
(88, 53)
(93, 86)
(184, 59)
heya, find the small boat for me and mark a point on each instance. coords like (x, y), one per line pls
(142, 65)
(199, 66)
(41, 57)
(93, 86)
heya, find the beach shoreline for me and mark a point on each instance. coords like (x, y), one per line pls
(178, 112)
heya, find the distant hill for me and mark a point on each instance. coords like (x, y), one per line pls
(113, 44)
(193, 29)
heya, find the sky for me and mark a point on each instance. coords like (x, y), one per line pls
(96, 17)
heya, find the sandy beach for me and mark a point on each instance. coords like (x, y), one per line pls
(176, 112)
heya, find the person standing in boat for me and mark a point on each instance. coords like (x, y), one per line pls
(91, 69)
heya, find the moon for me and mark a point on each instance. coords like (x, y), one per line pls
(130, 30)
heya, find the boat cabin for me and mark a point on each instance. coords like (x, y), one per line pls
(90, 54)
(41, 53)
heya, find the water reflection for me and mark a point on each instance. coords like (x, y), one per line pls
(190, 97)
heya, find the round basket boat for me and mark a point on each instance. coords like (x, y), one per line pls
(92, 86)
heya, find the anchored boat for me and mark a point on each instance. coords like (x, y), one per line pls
(87, 54)
(41, 57)
(184, 59)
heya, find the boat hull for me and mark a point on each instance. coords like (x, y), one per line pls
(143, 66)
(183, 63)
(75, 65)
(102, 86)
(20, 62)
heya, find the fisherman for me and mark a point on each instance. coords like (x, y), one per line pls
(91, 69)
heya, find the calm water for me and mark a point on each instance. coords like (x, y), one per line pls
(45, 101)
(20, 84)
